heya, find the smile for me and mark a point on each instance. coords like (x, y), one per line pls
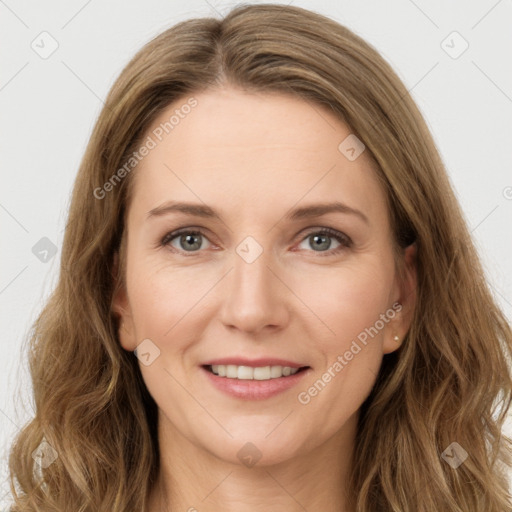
(253, 382)
(232, 371)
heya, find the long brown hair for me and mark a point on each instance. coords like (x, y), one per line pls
(450, 381)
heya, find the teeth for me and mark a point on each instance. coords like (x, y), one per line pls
(232, 371)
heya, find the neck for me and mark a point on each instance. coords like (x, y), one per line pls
(194, 480)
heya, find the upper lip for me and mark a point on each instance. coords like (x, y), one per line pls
(264, 361)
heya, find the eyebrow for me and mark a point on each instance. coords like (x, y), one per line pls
(304, 212)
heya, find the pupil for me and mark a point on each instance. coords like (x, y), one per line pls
(326, 243)
(190, 239)
(320, 241)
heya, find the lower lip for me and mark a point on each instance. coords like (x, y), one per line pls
(254, 389)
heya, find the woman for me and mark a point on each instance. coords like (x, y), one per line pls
(268, 299)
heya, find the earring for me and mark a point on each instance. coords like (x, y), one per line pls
(396, 338)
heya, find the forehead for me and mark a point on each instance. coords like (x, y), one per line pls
(258, 151)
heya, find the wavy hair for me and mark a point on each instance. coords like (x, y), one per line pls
(450, 381)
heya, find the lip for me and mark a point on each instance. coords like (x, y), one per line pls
(254, 389)
(264, 361)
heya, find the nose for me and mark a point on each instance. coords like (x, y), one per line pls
(255, 298)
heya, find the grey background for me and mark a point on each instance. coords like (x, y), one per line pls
(49, 106)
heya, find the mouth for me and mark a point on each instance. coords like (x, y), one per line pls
(253, 382)
(259, 373)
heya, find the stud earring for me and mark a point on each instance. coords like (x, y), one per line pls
(396, 338)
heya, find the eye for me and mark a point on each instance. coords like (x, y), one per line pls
(185, 240)
(321, 241)
(192, 240)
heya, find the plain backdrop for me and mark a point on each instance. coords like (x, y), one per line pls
(59, 60)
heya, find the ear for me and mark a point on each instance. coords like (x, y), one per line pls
(403, 304)
(121, 306)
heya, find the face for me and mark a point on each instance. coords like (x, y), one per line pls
(254, 274)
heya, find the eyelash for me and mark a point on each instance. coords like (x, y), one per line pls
(344, 240)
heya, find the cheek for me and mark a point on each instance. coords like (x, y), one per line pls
(349, 303)
(161, 298)
(348, 299)
(343, 301)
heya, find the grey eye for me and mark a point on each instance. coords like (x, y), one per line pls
(189, 241)
(319, 242)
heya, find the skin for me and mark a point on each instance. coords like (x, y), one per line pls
(253, 157)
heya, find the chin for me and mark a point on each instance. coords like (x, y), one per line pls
(253, 450)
